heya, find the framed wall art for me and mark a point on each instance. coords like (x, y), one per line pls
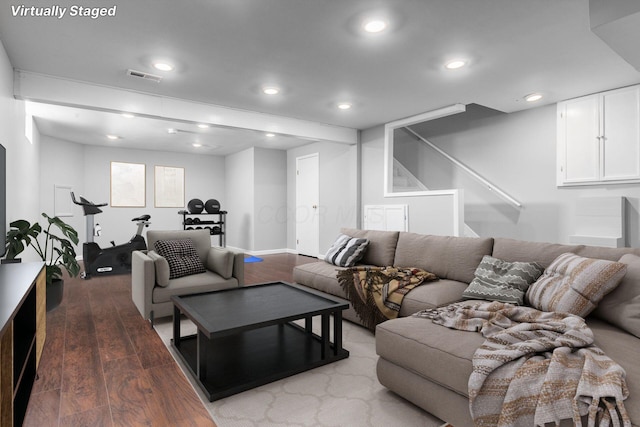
(169, 187)
(128, 183)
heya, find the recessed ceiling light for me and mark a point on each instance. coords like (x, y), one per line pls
(455, 64)
(113, 137)
(269, 135)
(196, 144)
(127, 115)
(344, 105)
(172, 131)
(270, 90)
(203, 125)
(374, 25)
(162, 66)
(533, 97)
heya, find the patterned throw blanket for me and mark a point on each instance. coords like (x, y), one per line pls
(376, 293)
(536, 367)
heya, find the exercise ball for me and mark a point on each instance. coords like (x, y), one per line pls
(195, 206)
(212, 206)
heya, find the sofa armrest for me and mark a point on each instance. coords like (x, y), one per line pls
(143, 279)
(226, 263)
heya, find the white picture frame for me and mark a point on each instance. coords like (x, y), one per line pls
(169, 187)
(128, 185)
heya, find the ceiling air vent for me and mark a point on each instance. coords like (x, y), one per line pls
(143, 75)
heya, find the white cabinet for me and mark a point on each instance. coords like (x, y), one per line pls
(599, 138)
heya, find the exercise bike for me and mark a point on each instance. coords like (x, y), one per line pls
(112, 260)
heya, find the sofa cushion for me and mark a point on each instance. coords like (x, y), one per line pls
(498, 280)
(321, 276)
(162, 268)
(382, 245)
(623, 349)
(437, 353)
(182, 257)
(448, 257)
(574, 284)
(220, 261)
(346, 251)
(622, 306)
(193, 284)
(432, 295)
(519, 250)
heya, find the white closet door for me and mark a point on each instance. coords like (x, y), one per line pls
(621, 143)
(582, 152)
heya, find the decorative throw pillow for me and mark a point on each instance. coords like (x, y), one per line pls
(162, 268)
(182, 257)
(622, 306)
(574, 284)
(346, 251)
(498, 280)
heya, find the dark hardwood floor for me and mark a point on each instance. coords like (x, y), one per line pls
(102, 364)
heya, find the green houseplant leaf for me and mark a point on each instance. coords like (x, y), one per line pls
(57, 249)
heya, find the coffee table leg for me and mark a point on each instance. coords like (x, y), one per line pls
(337, 332)
(202, 356)
(176, 326)
(324, 335)
(308, 324)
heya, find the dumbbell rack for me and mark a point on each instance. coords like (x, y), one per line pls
(216, 228)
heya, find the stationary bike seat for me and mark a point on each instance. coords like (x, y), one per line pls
(142, 218)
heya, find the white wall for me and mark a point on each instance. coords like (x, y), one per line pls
(338, 192)
(23, 171)
(88, 169)
(240, 180)
(516, 152)
(270, 200)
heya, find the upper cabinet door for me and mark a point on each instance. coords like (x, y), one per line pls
(578, 144)
(599, 138)
(621, 134)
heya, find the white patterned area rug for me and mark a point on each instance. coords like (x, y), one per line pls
(343, 393)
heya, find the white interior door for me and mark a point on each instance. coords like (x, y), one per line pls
(307, 205)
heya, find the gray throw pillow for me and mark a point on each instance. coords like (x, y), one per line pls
(182, 257)
(162, 268)
(346, 251)
(498, 280)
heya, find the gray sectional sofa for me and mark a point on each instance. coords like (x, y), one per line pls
(429, 364)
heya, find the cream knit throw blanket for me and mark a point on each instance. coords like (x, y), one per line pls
(536, 367)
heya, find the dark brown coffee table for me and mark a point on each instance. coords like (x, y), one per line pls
(246, 337)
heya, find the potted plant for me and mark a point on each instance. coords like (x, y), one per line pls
(57, 251)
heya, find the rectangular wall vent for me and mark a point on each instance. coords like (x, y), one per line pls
(143, 75)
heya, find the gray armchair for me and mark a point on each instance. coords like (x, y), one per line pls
(151, 288)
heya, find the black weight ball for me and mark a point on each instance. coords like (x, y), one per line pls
(212, 206)
(195, 206)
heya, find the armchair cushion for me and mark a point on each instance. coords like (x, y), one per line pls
(182, 257)
(220, 261)
(162, 268)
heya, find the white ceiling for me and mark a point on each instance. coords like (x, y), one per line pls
(225, 51)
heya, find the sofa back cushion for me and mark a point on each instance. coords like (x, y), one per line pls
(523, 251)
(201, 239)
(448, 257)
(382, 245)
(622, 306)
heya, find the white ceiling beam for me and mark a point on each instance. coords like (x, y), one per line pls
(58, 91)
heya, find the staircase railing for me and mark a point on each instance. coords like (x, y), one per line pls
(478, 177)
